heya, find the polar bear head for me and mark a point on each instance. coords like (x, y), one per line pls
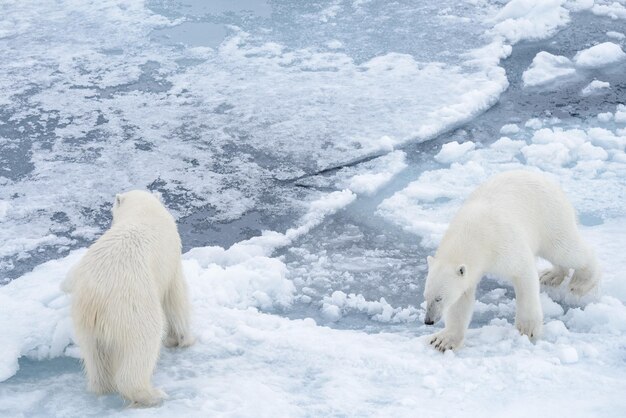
(445, 283)
(135, 204)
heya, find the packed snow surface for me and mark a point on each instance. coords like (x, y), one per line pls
(319, 116)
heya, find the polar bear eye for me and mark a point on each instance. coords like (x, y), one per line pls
(438, 299)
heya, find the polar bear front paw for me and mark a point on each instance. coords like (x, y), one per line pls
(530, 327)
(553, 276)
(446, 340)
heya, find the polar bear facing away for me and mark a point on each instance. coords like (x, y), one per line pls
(501, 228)
(128, 294)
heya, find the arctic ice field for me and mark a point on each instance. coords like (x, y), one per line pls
(313, 154)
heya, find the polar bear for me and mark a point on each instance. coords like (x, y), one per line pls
(128, 293)
(501, 228)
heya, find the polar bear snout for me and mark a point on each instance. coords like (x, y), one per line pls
(433, 312)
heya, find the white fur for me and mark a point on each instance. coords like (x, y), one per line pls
(501, 228)
(128, 292)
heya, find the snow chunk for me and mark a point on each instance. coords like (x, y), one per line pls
(331, 312)
(453, 151)
(554, 329)
(547, 156)
(594, 87)
(530, 19)
(546, 68)
(579, 5)
(334, 44)
(615, 35)
(533, 123)
(599, 55)
(620, 114)
(614, 10)
(509, 128)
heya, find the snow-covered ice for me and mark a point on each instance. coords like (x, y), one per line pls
(530, 19)
(612, 9)
(313, 154)
(546, 68)
(595, 86)
(616, 35)
(600, 55)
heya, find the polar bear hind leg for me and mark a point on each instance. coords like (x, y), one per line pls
(98, 365)
(176, 308)
(574, 253)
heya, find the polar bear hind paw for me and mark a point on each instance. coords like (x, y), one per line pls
(179, 341)
(553, 276)
(583, 281)
(147, 398)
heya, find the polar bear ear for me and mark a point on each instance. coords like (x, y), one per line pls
(429, 260)
(461, 270)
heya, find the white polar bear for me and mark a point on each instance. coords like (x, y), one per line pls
(128, 292)
(500, 229)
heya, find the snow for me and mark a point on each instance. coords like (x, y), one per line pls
(620, 114)
(368, 183)
(534, 123)
(453, 151)
(338, 304)
(546, 68)
(613, 10)
(615, 35)
(579, 5)
(509, 128)
(600, 55)
(316, 116)
(530, 19)
(594, 87)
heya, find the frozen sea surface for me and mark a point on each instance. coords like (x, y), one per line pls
(313, 154)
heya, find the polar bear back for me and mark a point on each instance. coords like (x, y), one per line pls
(138, 255)
(513, 207)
